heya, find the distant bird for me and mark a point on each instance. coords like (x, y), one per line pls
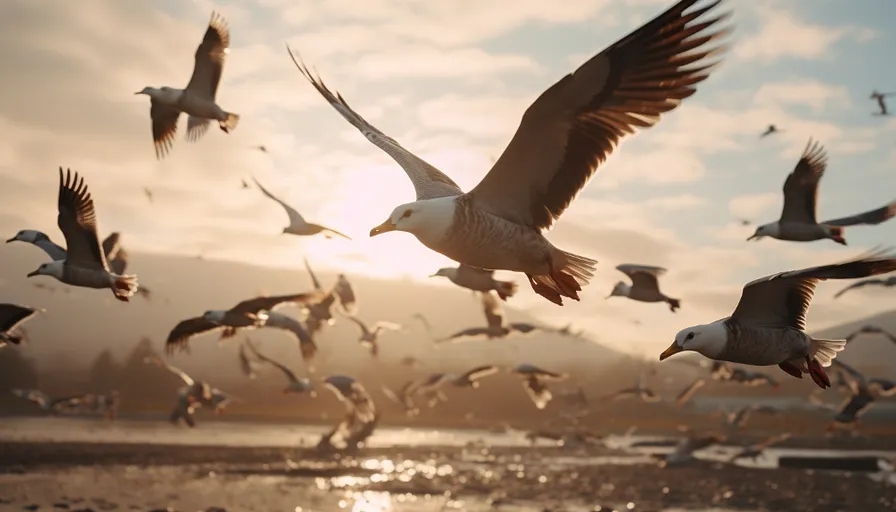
(296, 385)
(755, 450)
(683, 452)
(884, 282)
(430, 387)
(116, 257)
(750, 378)
(688, 392)
(864, 392)
(297, 224)
(196, 390)
(535, 382)
(148, 193)
(798, 222)
(263, 149)
(564, 136)
(496, 327)
(871, 329)
(402, 397)
(198, 99)
(410, 361)
(744, 222)
(319, 312)
(739, 418)
(248, 314)
(51, 405)
(423, 321)
(84, 263)
(346, 295)
(640, 391)
(471, 378)
(772, 129)
(478, 280)
(645, 285)
(370, 335)
(768, 325)
(361, 415)
(12, 316)
(247, 363)
(244, 183)
(879, 97)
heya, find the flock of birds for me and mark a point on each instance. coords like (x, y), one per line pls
(565, 135)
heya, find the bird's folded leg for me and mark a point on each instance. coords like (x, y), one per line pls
(817, 373)
(791, 369)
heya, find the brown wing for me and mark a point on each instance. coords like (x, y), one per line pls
(254, 306)
(801, 186)
(77, 221)
(119, 263)
(186, 329)
(210, 58)
(11, 315)
(574, 126)
(111, 245)
(164, 126)
(644, 277)
(872, 217)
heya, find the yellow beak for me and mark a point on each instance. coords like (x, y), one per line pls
(671, 351)
(385, 227)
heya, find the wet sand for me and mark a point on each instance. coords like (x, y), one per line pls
(143, 477)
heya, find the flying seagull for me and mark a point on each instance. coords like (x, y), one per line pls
(688, 392)
(871, 329)
(864, 392)
(643, 393)
(320, 311)
(148, 193)
(84, 263)
(248, 314)
(297, 224)
(115, 257)
(477, 280)
(535, 382)
(495, 325)
(772, 129)
(563, 137)
(768, 325)
(346, 295)
(370, 335)
(755, 450)
(361, 416)
(471, 378)
(885, 282)
(683, 452)
(12, 316)
(296, 385)
(797, 222)
(645, 285)
(198, 99)
(881, 102)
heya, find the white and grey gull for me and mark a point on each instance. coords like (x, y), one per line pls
(645, 285)
(478, 280)
(768, 326)
(563, 138)
(297, 224)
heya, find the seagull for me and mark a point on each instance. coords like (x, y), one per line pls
(346, 295)
(886, 283)
(403, 397)
(263, 149)
(639, 390)
(148, 193)
(297, 224)
(52, 405)
(198, 99)
(247, 364)
(196, 390)
(864, 392)
(496, 327)
(84, 263)
(370, 336)
(768, 325)
(755, 450)
(772, 129)
(248, 314)
(689, 392)
(684, 450)
(797, 222)
(645, 286)
(424, 322)
(478, 280)
(296, 385)
(739, 418)
(750, 378)
(319, 312)
(563, 137)
(471, 378)
(879, 98)
(871, 329)
(430, 387)
(12, 316)
(116, 260)
(535, 381)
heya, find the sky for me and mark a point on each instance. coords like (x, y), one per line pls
(450, 80)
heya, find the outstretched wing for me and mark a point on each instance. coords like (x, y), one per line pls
(261, 357)
(801, 186)
(77, 221)
(873, 217)
(186, 329)
(259, 304)
(294, 218)
(209, 59)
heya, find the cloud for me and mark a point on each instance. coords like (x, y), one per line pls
(807, 92)
(429, 62)
(754, 206)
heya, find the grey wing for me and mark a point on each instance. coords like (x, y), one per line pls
(209, 59)
(643, 276)
(688, 392)
(55, 251)
(286, 371)
(288, 323)
(472, 332)
(77, 221)
(196, 127)
(119, 263)
(259, 304)
(186, 329)
(428, 181)
(164, 126)
(111, 245)
(801, 186)
(494, 315)
(472, 271)
(12, 315)
(294, 218)
(574, 126)
(522, 327)
(479, 372)
(346, 295)
(875, 216)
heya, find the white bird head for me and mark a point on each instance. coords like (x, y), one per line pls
(215, 316)
(53, 269)
(773, 230)
(429, 218)
(28, 235)
(448, 272)
(149, 91)
(709, 340)
(620, 290)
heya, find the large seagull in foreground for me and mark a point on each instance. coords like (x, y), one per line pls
(564, 136)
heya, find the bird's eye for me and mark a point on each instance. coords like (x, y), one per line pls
(690, 336)
(406, 214)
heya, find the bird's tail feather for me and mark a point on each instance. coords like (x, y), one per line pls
(567, 281)
(124, 287)
(824, 351)
(506, 289)
(229, 124)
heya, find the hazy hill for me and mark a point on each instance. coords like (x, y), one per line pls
(872, 352)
